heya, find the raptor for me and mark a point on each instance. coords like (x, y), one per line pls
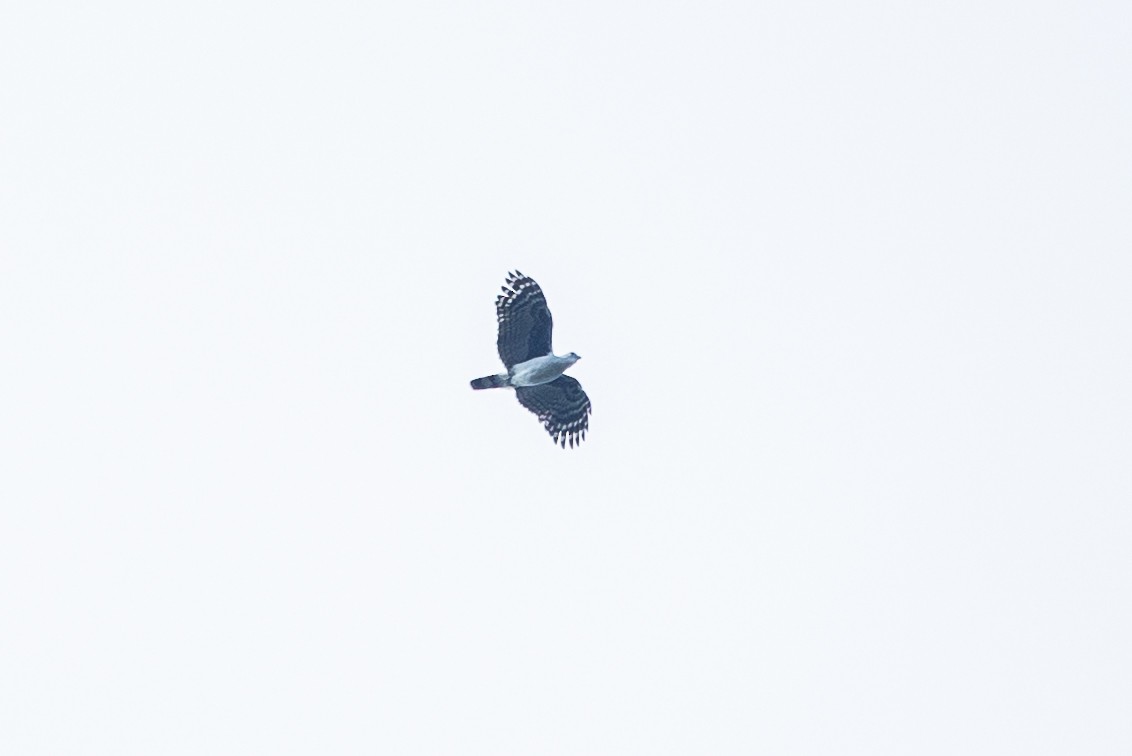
(533, 370)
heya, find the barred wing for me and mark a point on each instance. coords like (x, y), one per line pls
(524, 320)
(562, 406)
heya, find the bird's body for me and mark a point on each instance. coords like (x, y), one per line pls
(533, 370)
(539, 370)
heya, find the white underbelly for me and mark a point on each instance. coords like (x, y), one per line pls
(539, 370)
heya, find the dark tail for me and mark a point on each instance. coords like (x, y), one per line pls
(490, 381)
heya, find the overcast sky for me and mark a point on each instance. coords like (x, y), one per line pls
(851, 284)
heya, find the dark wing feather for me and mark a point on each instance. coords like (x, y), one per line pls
(525, 324)
(562, 406)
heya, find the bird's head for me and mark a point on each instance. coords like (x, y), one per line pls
(573, 357)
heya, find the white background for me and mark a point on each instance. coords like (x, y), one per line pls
(851, 287)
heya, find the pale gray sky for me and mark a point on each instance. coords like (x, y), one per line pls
(851, 285)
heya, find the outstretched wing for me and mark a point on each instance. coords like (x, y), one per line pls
(524, 320)
(562, 406)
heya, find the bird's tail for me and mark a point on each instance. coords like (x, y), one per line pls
(490, 381)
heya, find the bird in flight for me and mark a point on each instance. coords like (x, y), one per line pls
(533, 370)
